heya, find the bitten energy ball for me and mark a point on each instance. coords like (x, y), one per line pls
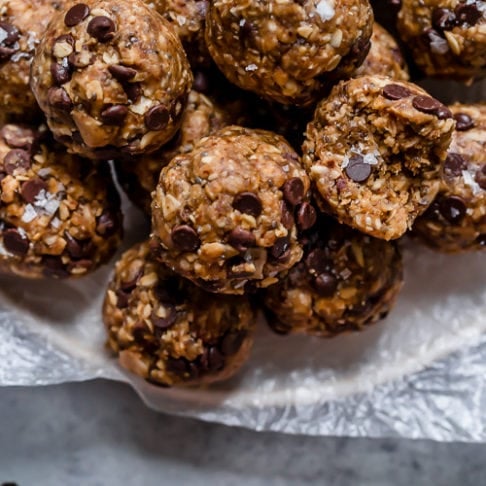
(374, 151)
(169, 331)
(456, 220)
(384, 58)
(22, 23)
(345, 282)
(139, 177)
(59, 215)
(288, 51)
(223, 214)
(447, 37)
(111, 77)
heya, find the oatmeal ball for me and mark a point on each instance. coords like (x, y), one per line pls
(111, 77)
(374, 151)
(456, 220)
(59, 215)
(139, 177)
(447, 37)
(170, 332)
(22, 23)
(288, 51)
(384, 58)
(226, 214)
(345, 282)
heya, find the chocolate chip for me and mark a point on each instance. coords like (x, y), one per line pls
(317, 261)
(467, 13)
(452, 209)
(31, 188)
(396, 92)
(54, 267)
(454, 164)
(429, 105)
(15, 243)
(6, 53)
(168, 320)
(121, 299)
(58, 98)
(16, 136)
(185, 238)
(241, 239)
(77, 249)
(463, 122)
(231, 342)
(480, 177)
(287, 218)
(65, 38)
(293, 191)
(131, 283)
(179, 366)
(157, 118)
(201, 82)
(215, 359)
(122, 73)
(248, 203)
(106, 223)
(114, 115)
(306, 216)
(280, 248)
(76, 14)
(357, 170)
(443, 19)
(11, 34)
(16, 160)
(133, 91)
(102, 28)
(325, 284)
(60, 74)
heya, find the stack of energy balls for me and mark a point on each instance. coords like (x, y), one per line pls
(278, 147)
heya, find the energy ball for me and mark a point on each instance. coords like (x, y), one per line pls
(139, 177)
(447, 37)
(226, 214)
(59, 215)
(112, 78)
(374, 151)
(384, 58)
(345, 282)
(288, 51)
(456, 220)
(170, 332)
(22, 23)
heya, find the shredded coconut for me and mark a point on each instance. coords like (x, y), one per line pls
(325, 9)
(29, 214)
(469, 181)
(251, 67)
(345, 274)
(438, 45)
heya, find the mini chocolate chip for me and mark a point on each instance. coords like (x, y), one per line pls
(325, 284)
(16, 136)
(201, 82)
(114, 115)
(16, 159)
(168, 320)
(76, 14)
(396, 92)
(131, 283)
(452, 209)
(429, 105)
(58, 98)
(287, 217)
(60, 74)
(215, 360)
(122, 73)
(133, 91)
(463, 122)
(357, 170)
(241, 239)
(11, 34)
(467, 13)
(15, 243)
(248, 203)
(293, 191)
(106, 223)
(185, 238)
(306, 216)
(157, 118)
(178, 366)
(31, 188)
(317, 261)
(54, 267)
(101, 28)
(480, 177)
(121, 299)
(443, 113)
(231, 342)
(6, 53)
(280, 248)
(443, 19)
(454, 164)
(78, 249)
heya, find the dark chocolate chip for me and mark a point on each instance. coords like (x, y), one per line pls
(11, 34)
(168, 320)
(280, 248)
(122, 73)
(76, 14)
(178, 366)
(467, 13)
(480, 177)
(60, 74)
(325, 284)
(231, 342)
(31, 188)
(357, 170)
(287, 217)
(133, 91)
(101, 28)
(443, 19)
(293, 191)
(6, 53)
(16, 160)
(157, 118)
(106, 223)
(454, 164)
(241, 239)
(452, 209)
(396, 92)
(185, 238)
(306, 216)
(54, 267)
(58, 98)
(114, 115)
(16, 136)
(215, 359)
(248, 203)
(131, 283)
(15, 243)
(78, 249)
(201, 82)
(317, 261)
(429, 105)
(463, 122)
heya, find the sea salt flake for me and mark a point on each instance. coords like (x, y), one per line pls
(55, 222)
